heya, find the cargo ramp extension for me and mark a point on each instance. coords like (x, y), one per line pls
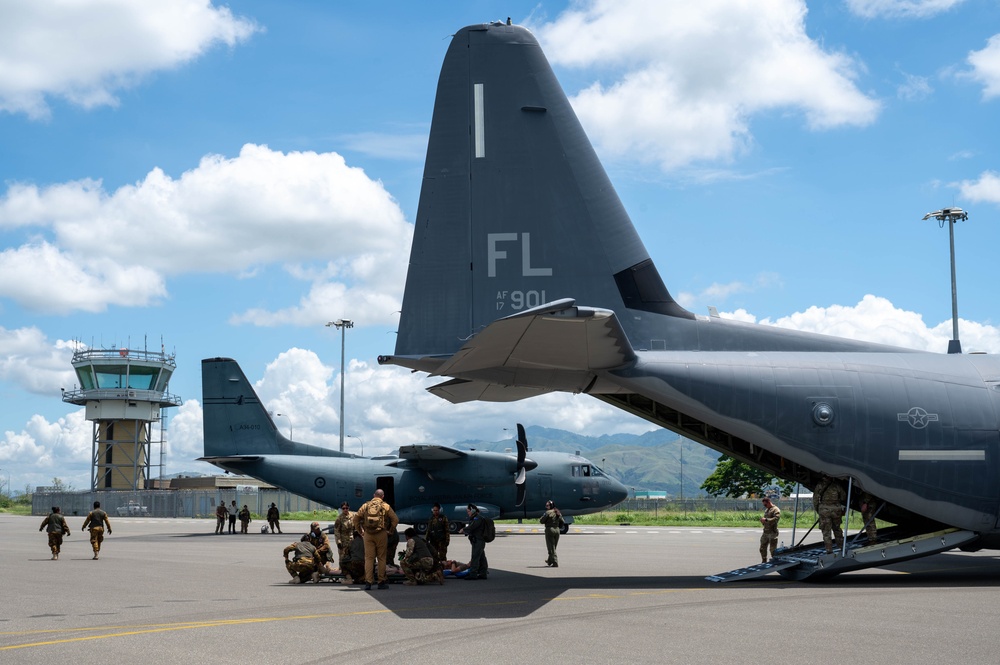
(811, 562)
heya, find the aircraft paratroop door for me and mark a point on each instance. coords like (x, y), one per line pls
(544, 488)
(387, 484)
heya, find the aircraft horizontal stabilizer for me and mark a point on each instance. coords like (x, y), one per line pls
(458, 391)
(228, 459)
(557, 335)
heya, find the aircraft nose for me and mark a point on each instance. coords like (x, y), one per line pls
(617, 491)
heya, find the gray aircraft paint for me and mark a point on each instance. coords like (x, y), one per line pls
(526, 276)
(241, 437)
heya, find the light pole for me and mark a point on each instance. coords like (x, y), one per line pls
(342, 325)
(950, 216)
(351, 436)
(290, 431)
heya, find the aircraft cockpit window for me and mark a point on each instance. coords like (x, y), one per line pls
(596, 471)
(574, 470)
(586, 470)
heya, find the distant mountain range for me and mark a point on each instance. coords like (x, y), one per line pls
(650, 461)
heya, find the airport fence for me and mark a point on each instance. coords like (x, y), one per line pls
(193, 503)
(201, 503)
(710, 505)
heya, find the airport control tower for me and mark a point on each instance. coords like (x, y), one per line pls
(125, 392)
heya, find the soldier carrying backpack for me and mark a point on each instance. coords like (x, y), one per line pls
(480, 530)
(374, 521)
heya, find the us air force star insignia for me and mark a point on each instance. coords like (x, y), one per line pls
(917, 417)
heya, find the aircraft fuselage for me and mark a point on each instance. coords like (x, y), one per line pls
(922, 431)
(574, 482)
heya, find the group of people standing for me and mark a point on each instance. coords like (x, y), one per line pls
(56, 527)
(230, 514)
(829, 499)
(367, 540)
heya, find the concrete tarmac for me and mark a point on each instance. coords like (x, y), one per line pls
(168, 591)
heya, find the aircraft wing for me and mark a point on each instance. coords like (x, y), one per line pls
(429, 453)
(558, 335)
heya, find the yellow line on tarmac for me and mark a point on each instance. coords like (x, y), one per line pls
(148, 629)
(126, 631)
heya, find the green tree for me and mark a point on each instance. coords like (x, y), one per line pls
(734, 479)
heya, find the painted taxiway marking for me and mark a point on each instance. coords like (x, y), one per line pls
(107, 632)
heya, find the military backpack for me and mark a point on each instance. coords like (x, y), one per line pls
(489, 529)
(374, 517)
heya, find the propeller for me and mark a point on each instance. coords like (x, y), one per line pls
(522, 469)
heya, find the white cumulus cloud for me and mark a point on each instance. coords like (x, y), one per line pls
(986, 67)
(986, 188)
(876, 319)
(86, 50)
(684, 80)
(227, 215)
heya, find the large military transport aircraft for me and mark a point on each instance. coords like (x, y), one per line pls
(241, 437)
(526, 276)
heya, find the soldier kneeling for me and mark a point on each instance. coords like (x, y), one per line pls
(418, 561)
(303, 563)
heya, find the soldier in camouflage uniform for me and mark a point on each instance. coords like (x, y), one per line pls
(55, 525)
(353, 566)
(868, 515)
(304, 562)
(553, 520)
(321, 542)
(97, 519)
(343, 531)
(438, 534)
(829, 497)
(244, 516)
(769, 539)
(418, 561)
(273, 522)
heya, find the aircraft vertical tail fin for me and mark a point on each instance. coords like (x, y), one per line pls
(234, 420)
(515, 208)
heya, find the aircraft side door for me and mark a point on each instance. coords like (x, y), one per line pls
(544, 488)
(388, 485)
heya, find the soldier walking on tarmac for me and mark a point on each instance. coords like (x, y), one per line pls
(56, 528)
(97, 520)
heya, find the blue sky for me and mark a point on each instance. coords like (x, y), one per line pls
(230, 178)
